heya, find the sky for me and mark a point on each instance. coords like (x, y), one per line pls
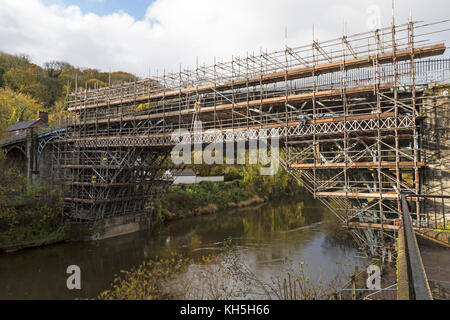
(152, 36)
(135, 8)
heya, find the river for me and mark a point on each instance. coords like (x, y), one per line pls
(269, 239)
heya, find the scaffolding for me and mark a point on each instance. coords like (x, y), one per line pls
(348, 112)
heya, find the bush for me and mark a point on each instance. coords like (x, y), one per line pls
(204, 198)
(149, 281)
(233, 175)
(27, 213)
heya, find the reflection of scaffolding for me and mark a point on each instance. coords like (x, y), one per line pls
(348, 112)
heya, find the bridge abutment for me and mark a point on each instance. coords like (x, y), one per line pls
(436, 148)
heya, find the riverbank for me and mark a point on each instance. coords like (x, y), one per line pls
(36, 220)
(180, 202)
(55, 237)
(263, 236)
(30, 215)
(244, 186)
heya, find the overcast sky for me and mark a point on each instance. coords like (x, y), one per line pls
(138, 35)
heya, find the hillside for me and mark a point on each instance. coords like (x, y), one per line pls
(26, 87)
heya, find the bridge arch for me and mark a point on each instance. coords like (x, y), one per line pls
(44, 156)
(15, 157)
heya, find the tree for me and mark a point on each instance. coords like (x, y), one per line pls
(16, 107)
(32, 80)
(54, 68)
(8, 61)
(49, 85)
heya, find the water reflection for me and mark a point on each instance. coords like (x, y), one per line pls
(269, 239)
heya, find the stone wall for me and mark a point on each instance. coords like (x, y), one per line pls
(436, 148)
(111, 227)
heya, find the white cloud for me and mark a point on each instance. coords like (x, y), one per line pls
(176, 31)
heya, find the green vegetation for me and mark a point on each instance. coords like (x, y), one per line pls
(16, 106)
(281, 184)
(203, 198)
(29, 215)
(26, 87)
(244, 186)
(148, 281)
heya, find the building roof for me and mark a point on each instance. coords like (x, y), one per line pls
(185, 173)
(22, 125)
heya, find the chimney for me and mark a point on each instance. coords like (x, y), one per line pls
(43, 116)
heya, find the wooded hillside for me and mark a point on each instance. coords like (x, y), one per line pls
(26, 87)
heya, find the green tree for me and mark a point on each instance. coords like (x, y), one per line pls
(8, 61)
(32, 80)
(16, 107)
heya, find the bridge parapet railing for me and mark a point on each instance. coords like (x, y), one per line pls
(325, 126)
(419, 288)
(435, 211)
(275, 121)
(56, 128)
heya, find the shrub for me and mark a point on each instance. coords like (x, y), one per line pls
(27, 213)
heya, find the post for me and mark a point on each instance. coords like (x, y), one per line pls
(31, 155)
(354, 287)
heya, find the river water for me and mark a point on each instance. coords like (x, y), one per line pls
(269, 239)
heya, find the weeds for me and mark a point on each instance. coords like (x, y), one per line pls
(215, 277)
(29, 215)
